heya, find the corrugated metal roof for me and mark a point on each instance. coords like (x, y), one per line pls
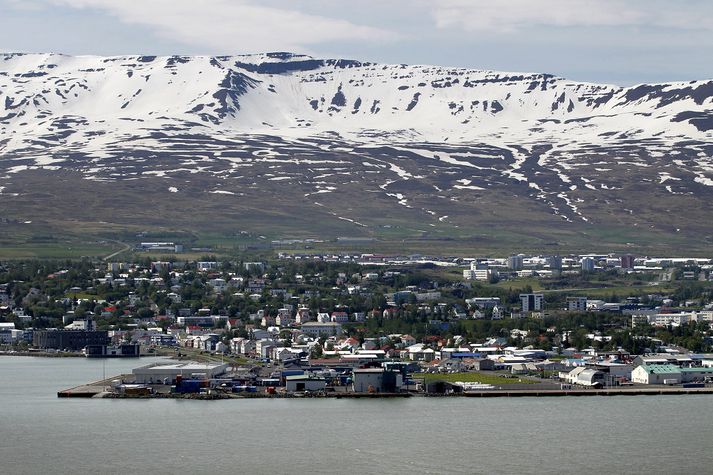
(697, 370)
(661, 368)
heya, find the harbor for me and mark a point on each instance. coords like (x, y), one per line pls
(210, 381)
(399, 424)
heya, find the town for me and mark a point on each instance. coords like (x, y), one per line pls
(340, 324)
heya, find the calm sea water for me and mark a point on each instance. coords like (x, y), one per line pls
(43, 434)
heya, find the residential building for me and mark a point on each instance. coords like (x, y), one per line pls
(303, 316)
(483, 302)
(255, 266)
(577, 304)
(340, 317)
(322, 329)
(587, 264)
(531, 302)
(515, 263)
(497, 313)
(627, 261)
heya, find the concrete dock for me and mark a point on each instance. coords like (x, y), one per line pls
(85, 391)
(89, 390)
(630, 391)
(101, 389)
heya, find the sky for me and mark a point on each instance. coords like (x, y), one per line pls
(621, 42)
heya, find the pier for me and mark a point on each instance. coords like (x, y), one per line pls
(102, 388)
(636, 391)
(89, 390)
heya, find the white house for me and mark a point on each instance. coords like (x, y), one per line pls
(284, 354)
(303, 315)
(497, 313)
(340, 317)
(263, 347)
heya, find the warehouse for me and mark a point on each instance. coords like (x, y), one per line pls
(303, 382)
(166, 373)
(376, 380)
(656, 374)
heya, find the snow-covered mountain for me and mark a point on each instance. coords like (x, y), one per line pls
(439, 143)
(298, 96)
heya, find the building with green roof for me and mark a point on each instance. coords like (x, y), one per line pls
(656, 374)
(670, 374)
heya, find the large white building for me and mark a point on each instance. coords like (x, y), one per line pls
(670, 374)
(322, 329)
(158, 373)
(477, 274)
(584, 376)
(656, 374)
(671, 319)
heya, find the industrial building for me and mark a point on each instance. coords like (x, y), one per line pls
(584, 376)
(74, 340)
(670, 374)
(376, 380)
(112, 351)
(166, 373)
(304, 382)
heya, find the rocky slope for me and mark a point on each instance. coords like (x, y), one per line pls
(295, 146)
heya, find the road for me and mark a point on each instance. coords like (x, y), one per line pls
(114, 254)
(614, 288)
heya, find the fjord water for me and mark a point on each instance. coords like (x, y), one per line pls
(44, 434)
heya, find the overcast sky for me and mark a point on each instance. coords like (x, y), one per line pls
(614, 41)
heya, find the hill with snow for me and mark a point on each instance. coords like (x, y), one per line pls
(296, 146)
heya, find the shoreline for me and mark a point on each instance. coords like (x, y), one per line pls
(43, 354)
(98, 389)
(101, 394)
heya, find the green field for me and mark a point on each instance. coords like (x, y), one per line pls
(619, 290)
(484, 378)
(57, 250)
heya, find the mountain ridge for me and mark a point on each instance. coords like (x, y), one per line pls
(439, 146)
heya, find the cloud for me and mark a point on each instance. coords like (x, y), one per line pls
(22, 5)
(232, 25)
(513, 15)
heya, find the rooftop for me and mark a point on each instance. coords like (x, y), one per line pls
(661, 368)
(697, 370)
(186, 366)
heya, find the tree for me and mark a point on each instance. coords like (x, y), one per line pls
(579, 339)
(316, 351)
